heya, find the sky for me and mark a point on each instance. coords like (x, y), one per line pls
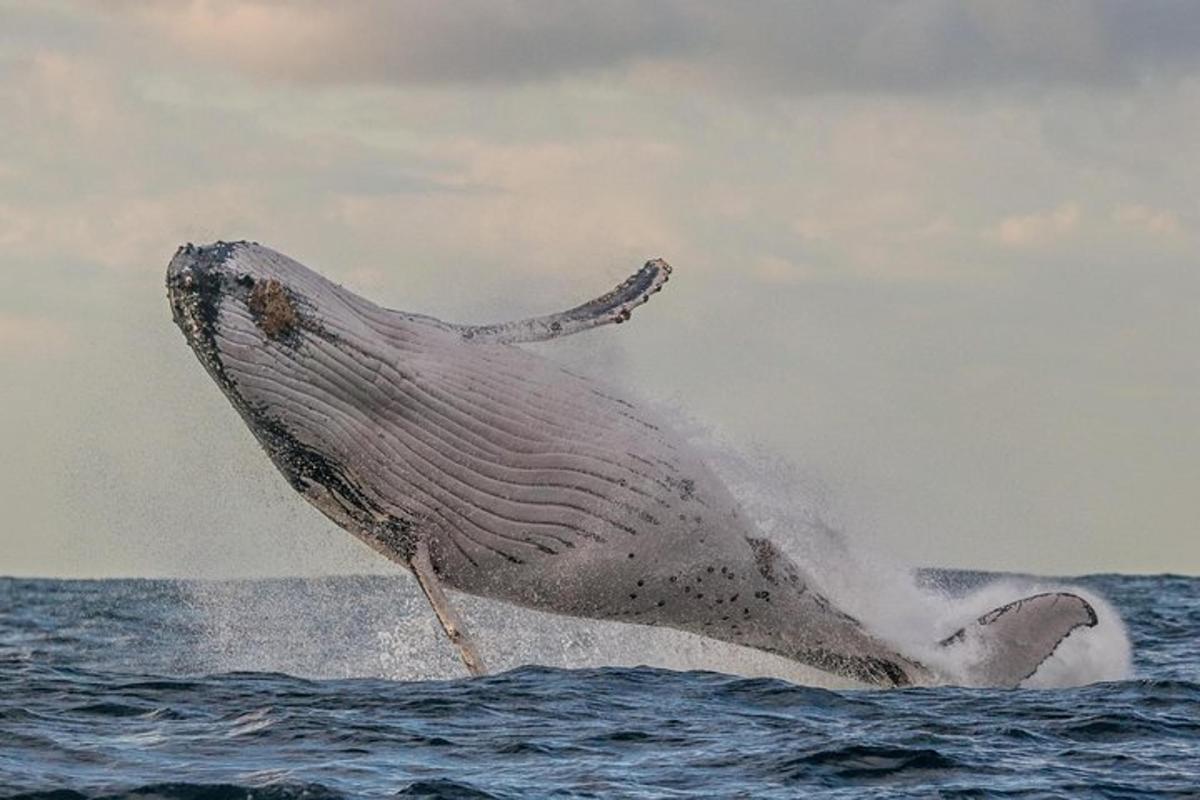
(939, 259)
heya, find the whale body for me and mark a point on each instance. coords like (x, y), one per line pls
(488, 469)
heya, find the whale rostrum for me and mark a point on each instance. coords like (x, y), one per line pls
(485, 468)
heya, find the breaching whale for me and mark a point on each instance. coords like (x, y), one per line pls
(482, 467)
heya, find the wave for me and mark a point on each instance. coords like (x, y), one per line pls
(191, 791)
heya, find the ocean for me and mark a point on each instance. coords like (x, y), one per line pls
(342, 687)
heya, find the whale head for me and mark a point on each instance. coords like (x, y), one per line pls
(246, 318)
(277, 339)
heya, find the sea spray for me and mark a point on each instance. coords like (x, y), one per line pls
(886, 592)
(381, 626)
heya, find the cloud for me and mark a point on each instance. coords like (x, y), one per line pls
(415, 42)
(914, 46)
(16, 225)
(781, 271)
(1037, 229)
(1154, 221)
(944, 276)
(30, 338)
(71, 92)
(543, 201)
(123, 232)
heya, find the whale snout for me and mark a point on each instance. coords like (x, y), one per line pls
(184, 265)
(202, 277)
(196, 267)
(192, 263)
(248, 314)
(194, 289)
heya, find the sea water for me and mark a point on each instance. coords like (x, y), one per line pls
(344, 687)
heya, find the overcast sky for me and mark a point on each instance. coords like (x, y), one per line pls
(941, 257)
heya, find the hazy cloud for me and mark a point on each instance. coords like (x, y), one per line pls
(967, 303)
(29, 338)
(418, 42)
(783, 45)
(1154, 221)
(1039, 228)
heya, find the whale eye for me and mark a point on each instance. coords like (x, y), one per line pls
(246, 280)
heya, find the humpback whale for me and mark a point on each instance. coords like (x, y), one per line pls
(482, 467)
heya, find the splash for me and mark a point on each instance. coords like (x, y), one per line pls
(381, 626)
(910, 607)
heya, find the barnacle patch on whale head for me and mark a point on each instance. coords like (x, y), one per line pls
(272, 308)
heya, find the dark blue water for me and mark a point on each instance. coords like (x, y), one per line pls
(116, 688)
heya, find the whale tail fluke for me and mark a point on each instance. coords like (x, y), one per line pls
(1006, 645)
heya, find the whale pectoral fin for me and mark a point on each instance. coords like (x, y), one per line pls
(1013, 640)
(456, 632)
(615, 306)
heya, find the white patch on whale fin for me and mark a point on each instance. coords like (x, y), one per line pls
(615, 306)
(1008, 644)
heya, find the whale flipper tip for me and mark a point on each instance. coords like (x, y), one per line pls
(615, 306)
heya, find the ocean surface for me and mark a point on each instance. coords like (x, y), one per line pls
(342, 687)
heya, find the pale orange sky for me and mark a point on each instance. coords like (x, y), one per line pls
(941, 258)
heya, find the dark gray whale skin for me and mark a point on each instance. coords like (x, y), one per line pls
(524, 482)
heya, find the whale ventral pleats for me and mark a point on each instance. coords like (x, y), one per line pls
(272, 308)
